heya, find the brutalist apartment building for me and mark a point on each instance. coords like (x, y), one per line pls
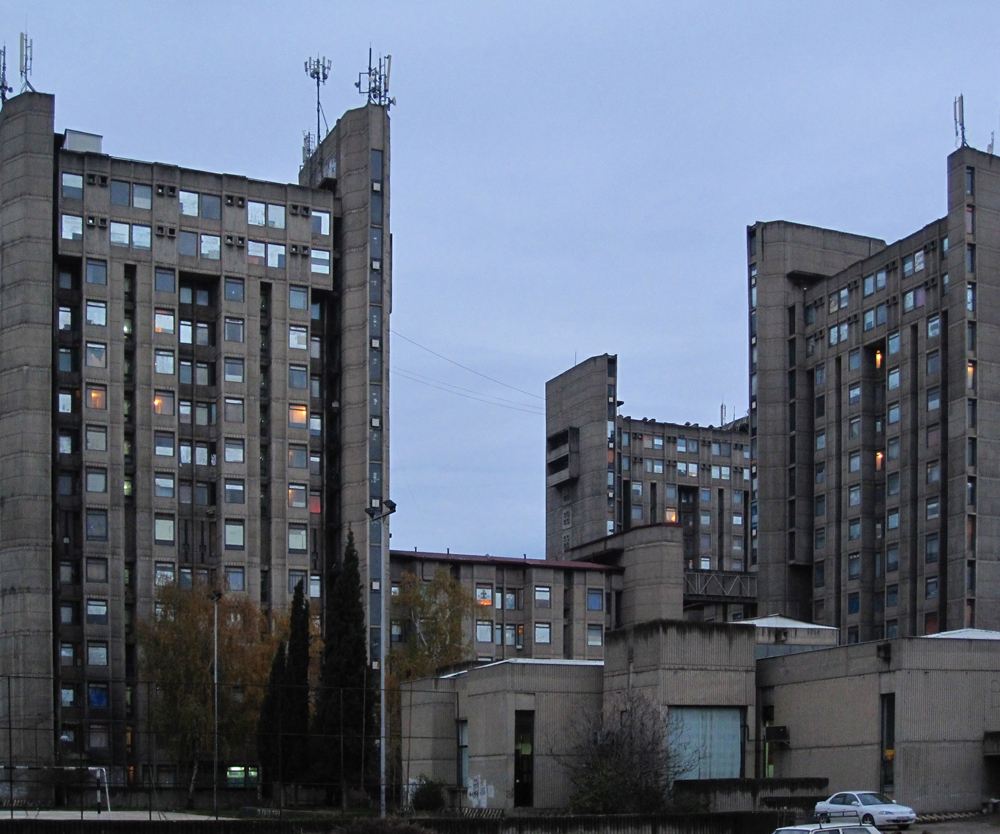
(193, 386)
(874, 418)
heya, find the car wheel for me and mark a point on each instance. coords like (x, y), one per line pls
(824, 817)
(868, 819)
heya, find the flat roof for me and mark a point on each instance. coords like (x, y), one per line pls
(501, 561)
(778, 621)
(967, 634)
(527, 661)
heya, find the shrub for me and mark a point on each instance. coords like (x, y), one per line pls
(428, 796)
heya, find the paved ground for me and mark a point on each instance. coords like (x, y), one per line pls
(982, 824)
(92, 815)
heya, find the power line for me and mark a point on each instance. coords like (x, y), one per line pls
(467, 396)
(463, 367)
(460, 388)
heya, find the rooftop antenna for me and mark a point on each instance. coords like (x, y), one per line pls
(307, 146)
(375, 83)
(27, 48)
(989, 147)
(958, 110)
(320, 71)
(4, 89)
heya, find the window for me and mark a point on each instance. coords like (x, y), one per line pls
(163, 280)
(820, 505)
(256, 252)
(853, 358)
(854, 566)
(933, 436)
(97, 315)
(543, 633)
(97, 479)
(187, 244)
(298, 376)
(163, 485)
(933, 399)
(97, 654)
(820, 440)
(163, 529)
(234, 289)
(853, 603)
(234, 450)
(297, 538)
(854, 394)
(297, 416)
(235, 491)
(97, 272)
(892, 558)
(892, 519)
(163, 321)
(97, 396)
(97, 525)
(932, 547)
(297, 495)
(543, 596)
(211, 206)
(854, 427)
(296, 578)
(933, 326)
(163, 361)
(595, 599)
(72, 227)
(233, 369)
(72, 186)
(854, 462)
(320, 222)
(256, 214)
(819, 538)
(819, 574)
(163, 444)
(854, 496)
(893, 483)
(854, 529)
(188, 203)
(163, 403)
(234, 410)
(298, 337)
(97, 612)
(276, 255)
(119, 234)
(235, 579)
(595, 635)
(298, 298)
(319, 261)
(234, 330)
(820, 374)
(893, 416)
(933, 508)
(484, 631)
(234, 534)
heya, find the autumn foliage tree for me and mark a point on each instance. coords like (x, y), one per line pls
(177, 655)
(434, 617)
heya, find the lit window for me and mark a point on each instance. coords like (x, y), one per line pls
(97, 396)
(163, 403)
(297, 416)
(163, 321)
(297, 495)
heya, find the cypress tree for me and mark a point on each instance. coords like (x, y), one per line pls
(295, 700)
(268, 726)
(341, 723)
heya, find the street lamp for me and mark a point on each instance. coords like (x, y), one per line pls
(384, 633)
(215, 596)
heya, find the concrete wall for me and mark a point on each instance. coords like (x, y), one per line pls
(26, 339)
(947, 697)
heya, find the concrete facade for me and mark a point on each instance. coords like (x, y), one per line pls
(608, 474)
(462, 728)
(873, 418)
(194, 370)
(917, 718)
(525, 607)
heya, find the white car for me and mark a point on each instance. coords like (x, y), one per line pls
(843, 828)
(867, 807)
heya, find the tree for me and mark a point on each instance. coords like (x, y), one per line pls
(294, 699)
(269, 726)
(343, 722)
(177, 655)
(432, 617)
(627, 760)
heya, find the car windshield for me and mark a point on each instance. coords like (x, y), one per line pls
(874, 799)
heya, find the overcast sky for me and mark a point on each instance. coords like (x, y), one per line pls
(568, 179)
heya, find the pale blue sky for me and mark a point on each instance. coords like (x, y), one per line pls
(569, 178)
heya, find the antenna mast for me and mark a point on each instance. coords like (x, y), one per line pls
(27, 50)
(375, 83)
(4, 89)
(320, 71)
(958, 110)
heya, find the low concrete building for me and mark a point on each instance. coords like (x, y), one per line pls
(778, 635)
(917, 718)
(502, 733)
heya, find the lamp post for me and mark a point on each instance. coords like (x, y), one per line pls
(384, 634)
(215, 596)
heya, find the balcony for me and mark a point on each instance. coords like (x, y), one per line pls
(720, 586)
